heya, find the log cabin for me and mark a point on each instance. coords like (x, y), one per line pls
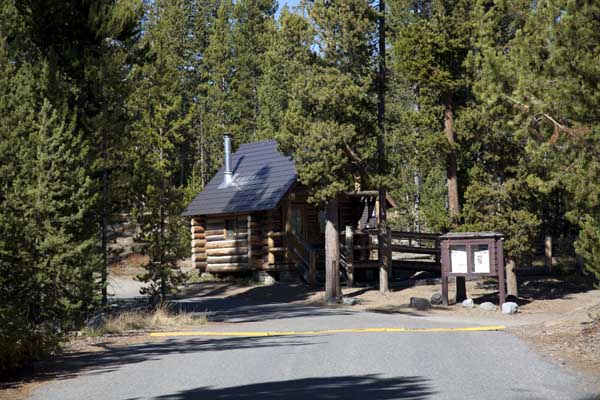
(253, 215)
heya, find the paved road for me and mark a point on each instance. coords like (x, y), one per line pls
(456, 365)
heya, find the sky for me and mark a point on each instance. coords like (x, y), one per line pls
(290, 4)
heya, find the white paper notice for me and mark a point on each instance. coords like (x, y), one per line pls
(481, 261)
(458, 259)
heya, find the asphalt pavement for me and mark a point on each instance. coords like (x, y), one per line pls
(398, 365)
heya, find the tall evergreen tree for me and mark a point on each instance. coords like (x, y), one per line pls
(288, 56)
(48, 259)
(328, 125)
(90, 44)
(161, 115)
(430, 41)
(539, 86)
(252, 31)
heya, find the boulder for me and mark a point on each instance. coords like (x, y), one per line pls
(510, 308)
(349, 301)
(468, 303)
(487, 306)
(436, 298)
(419, 303)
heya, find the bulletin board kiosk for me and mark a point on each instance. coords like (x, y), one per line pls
(469, 255)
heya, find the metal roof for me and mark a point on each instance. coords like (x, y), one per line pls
(261, 178)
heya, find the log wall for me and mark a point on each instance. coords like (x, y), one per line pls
(213, 250)
(198, 232)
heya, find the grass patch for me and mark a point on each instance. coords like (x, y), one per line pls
(162, 317)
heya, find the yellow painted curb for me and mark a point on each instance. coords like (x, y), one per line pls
(326, 331)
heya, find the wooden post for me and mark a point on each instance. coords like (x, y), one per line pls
(332, 251)
(500, 264)
(548, 252)
(288, 228)
(384, 245)
(338, 287)
(330, 282)
(249, 228)
(445, 290)
(350, 255)
(312, 268)
(511, 278)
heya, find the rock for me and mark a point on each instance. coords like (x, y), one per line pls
(436, 298)
(349, 301)
(510, 308)
(264, 278)
(468, 303)
(419, 303)
(487, 306)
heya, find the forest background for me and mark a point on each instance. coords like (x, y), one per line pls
(488, 111)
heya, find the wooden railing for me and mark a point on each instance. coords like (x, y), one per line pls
(417, 243)
(357, 250)
(305, 253)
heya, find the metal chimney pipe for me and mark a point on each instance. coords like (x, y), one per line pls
(228, 176)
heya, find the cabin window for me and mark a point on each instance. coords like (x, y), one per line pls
(234, 226)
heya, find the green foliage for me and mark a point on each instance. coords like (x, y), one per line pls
(55, 98)
(48, 256)
(537, 118)
(327, 126)
(119, 106)
(502, 208)
(160, 117)
(588, 244)
(430, 41)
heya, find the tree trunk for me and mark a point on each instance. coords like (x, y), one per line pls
(511, 279)
(332, 251)
(381, 90)
(461, 289)
(384, 240)
(453, 204)
(104, 220)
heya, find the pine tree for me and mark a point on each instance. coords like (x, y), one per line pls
(331, 111)
(161, 115)
(217, 115)
(538, 111)
(49, 263)
(251, 34)
(327, 126)
(430, 41)
(286, 59)
(90, 43)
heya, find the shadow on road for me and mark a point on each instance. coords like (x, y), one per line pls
(260, 303)
(112, 358)
(370, 387)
